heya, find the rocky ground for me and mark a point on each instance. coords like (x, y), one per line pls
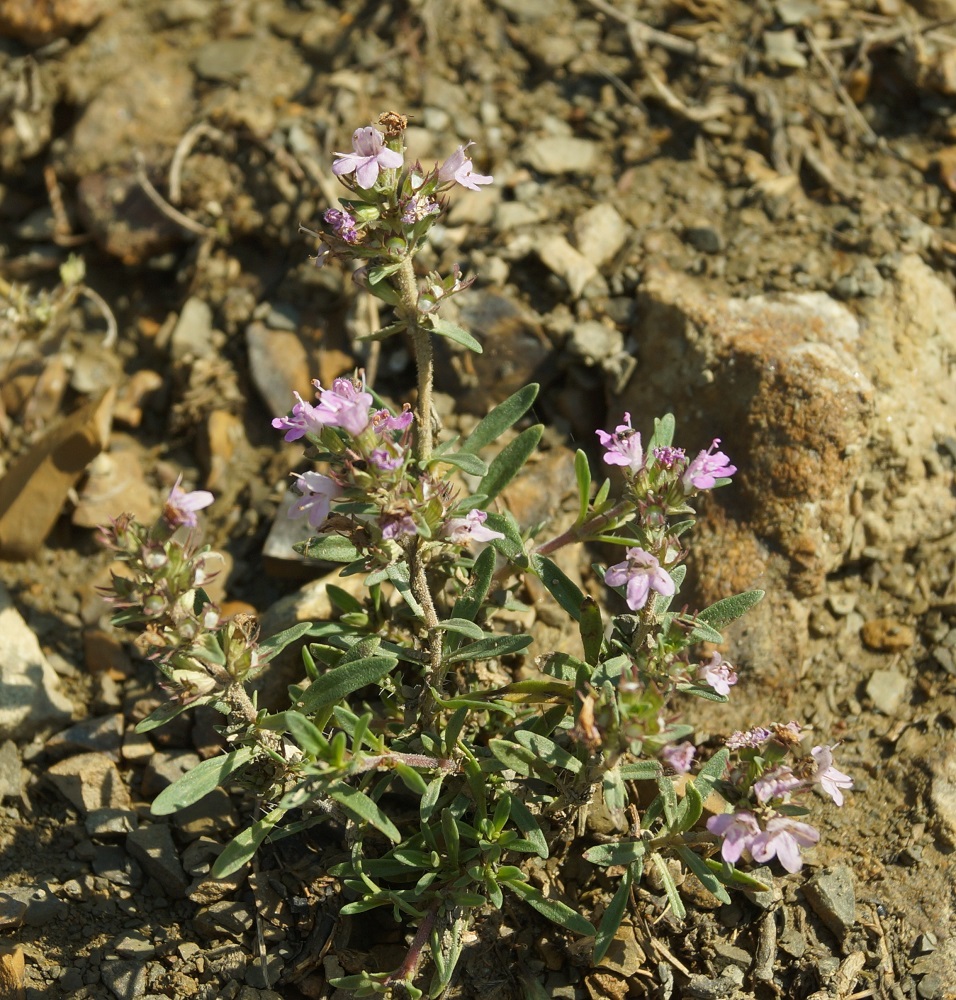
(741, 212)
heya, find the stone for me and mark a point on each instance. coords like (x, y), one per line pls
(886, 635)
(38, 23)
(102, 734)
(110, 861)
(165, 769)
(279, 364)
(887, 689)
(115, 483)
(11, 773)
(574, 269)
(213, 814)
(108, 823)
(943, 792)
(225, 918)
(193, 335)
(125, 978)
(31, 905)
(226, 59)
(105, 651)
(831, 895)
(599, 233)
(90, 781)
(153, 847)
(558, 154)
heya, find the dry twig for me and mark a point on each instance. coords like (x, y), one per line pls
(853, 112)
(171, 213)
(184, 147)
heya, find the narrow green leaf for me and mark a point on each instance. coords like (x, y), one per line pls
(524, 820)
(707, 878)
(689, 809)
(582, 473)
(624, 852)
(555, 911)
(522, 760)
(615, 792)
(711, 772)
(663, 436)
(399, 576)
(547, 750)
(734, 878)
(328, 548)
(360, 807)
(612, 917)
(463, 626)
(730, 608)
(454, 332)
(505, 415)
(591, 627)
(453, 728)
(303, 731)
(167, 711)
(670, 888)
(276, 643)
(413, 781)
(562, 589)
(343, 600)
(469, 604)
(449, 829)
(383, 332)
(200, 781)
(512, 545)
(702, 632)
(507, 463)
(472, 465)
(429, 800)
(245, 844)
(341, 681)
(487, 649)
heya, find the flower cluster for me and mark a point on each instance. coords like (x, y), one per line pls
(763, 822)
(369, 454)
(391, 206)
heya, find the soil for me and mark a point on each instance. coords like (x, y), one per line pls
(763, 148)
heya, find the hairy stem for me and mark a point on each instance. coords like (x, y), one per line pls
(406, 971)
(580, 532)
(424, 357)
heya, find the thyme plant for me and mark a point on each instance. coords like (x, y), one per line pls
(448, 783)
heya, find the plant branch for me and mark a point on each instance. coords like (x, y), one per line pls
(581, 532)
(424, 356)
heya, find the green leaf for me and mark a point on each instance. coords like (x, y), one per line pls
(663, 436)
(341, 681)
(512, 545)
(245, 844)
(624, 852)
(469, 604)
(702, 632)
(429, 800)
(487, 649)
(689, 809)
(454, 332)
(707, 878)
(343, 600)
(328, 548)
(383, 332)
(669, 886)
(522, 760)
(734, 878)
(563, 665)
(303, 731)
(270, 647)
(612, 917)
(563, 590)
(524, 820)
(508, 462)
(412, 780)
(547, 750)
(730, 608)
(711, 772)
(160, 716)
(360, 807)
(556, 911)
(582, 473)
(463, 626)
(472, 465)
(200, 781)
(398, 574)
(505, 415)
(591, 627)
(615, 794)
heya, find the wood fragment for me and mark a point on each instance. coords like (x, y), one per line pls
(183, 148)
(844, 979)
(171, 213)
(853, 112)
(766, 951)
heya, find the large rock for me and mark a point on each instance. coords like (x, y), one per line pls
(833, 423)
(30, 700)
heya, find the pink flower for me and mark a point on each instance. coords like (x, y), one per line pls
(470, 528)
(384, 421)
(387, 459)
(318, 492)
(679, 756)
(751, 739)
(345, 405)
(369, 157)
(180, 507)
(301, 421)
(827, 776)
(398, 526)
(776, 784)
(458, 168)
(623, 446)
(704, 471)
(737, 830)
(641, 572)
(783, 839)
(719, 674)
